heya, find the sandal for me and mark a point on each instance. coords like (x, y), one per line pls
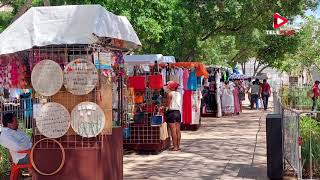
(172, 149)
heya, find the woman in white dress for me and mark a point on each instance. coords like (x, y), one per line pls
(227, 100)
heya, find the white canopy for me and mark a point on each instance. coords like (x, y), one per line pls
(58, 25)
(169, 59)
(148, 59)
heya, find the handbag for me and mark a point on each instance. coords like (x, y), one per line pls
(138, 98)
(310, 93)
(137, 82)
(140, 118)
(155, 81)
(156, 119)
(164, 131)
(150, 108)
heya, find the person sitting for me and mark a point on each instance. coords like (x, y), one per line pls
(14, 139)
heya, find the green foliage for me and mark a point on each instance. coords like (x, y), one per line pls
(310, 134)
(5, 19)
(296, 97)
(215, 32)
(307, 50)
(4, 162)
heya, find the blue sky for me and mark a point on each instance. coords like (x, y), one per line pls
(315, 13)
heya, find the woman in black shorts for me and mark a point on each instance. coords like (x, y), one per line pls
(173, 114)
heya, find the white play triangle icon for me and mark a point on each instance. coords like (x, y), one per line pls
(279, 21)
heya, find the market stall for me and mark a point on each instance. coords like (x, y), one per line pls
(211, 103)
(72, 59)
(144, 127)
(190, 76)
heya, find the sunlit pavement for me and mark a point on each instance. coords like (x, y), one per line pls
(223, 148)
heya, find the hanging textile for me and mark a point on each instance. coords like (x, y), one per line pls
(236, 100)
(187, 107)
(199, 80)
(164, 75)
(201, 70)
(196, 103)
(227, 99)
(185, 79)
(192, 81)
(218, 94)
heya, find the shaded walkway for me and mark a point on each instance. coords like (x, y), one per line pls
(225, 148)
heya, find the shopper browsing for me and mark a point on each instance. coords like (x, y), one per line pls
(173, 114)
(14, 139)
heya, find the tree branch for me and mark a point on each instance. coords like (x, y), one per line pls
(46, 2)
(211, 33)
(257, 68)
(4, 3)
(263, 68)
(22, 10)
(243, 65)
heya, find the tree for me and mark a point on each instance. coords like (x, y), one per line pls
(247, 21)
(307, 54)
(220, 32)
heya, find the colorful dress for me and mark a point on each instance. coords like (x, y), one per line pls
(227, 100)
(236, 100)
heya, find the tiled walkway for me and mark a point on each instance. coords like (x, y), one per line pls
(226, 148)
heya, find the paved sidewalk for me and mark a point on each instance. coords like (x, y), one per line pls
(226, 148)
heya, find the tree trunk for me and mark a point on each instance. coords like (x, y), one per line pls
(22, 10)
(256, 68)
(5, 3)
(243, 65)
(46, 2)
(263, 68)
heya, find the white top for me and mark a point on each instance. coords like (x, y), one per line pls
(175, 101)
(15, 140)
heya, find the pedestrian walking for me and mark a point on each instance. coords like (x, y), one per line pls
(255, 88)
(316, 94)
(265, 93)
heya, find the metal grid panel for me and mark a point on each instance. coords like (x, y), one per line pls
(141, 133)
(63, 56)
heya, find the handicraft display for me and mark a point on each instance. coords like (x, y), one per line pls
(47, 77)
(80, 77)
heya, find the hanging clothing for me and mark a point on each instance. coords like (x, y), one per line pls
(227, 100)
(196, 103)
(192, 81)
(179, 72)
(185, 79)
(236, 100)
(187, 107)
(218, 94)
(164, 75)
(199, 82)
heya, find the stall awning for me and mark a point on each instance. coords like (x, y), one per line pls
(148, 59)
(60, 25)
(201, 69)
